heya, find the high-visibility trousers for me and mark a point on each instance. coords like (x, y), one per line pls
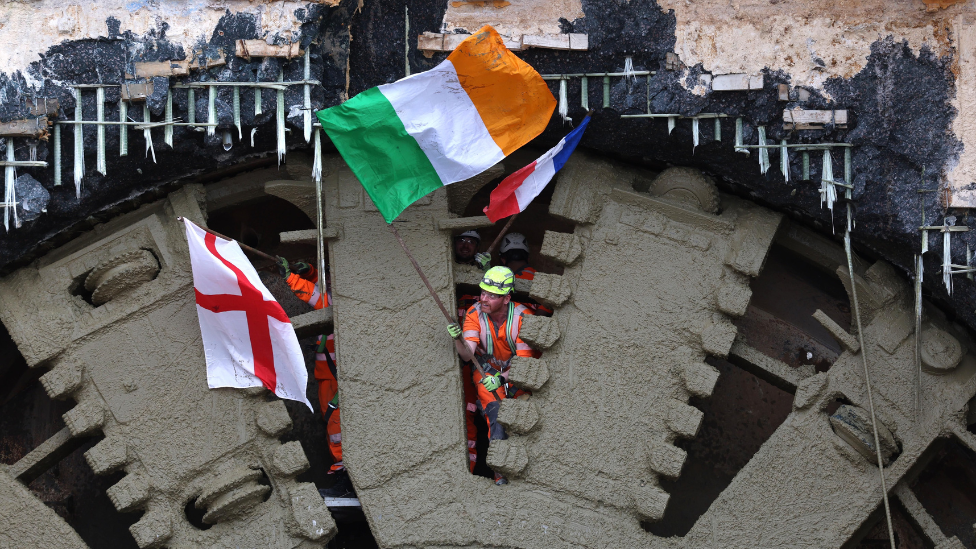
(470, 413)
(489, 405)
(327, 390)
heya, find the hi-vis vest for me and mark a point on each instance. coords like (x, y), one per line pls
(486, 339)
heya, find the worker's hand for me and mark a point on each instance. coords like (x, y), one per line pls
(483, 260)
(283, 267)
(300, 268)
(492, 382)
(454, 330)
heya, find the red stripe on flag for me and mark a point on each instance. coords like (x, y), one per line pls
(252, 302)
(503, 202)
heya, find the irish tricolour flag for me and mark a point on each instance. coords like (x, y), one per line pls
(406, 139)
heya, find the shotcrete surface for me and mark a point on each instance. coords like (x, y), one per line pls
(27, 522)
(136, 367)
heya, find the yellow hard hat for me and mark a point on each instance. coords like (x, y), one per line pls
(498, 280)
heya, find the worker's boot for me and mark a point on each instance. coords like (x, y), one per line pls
(500, 480)
(341, 488)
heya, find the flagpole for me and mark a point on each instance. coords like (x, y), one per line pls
(498, 238)
(243, 246)
(420, 272)
(451, 320)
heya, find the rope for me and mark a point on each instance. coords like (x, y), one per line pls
(867, 377)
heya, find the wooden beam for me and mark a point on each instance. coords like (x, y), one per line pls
(801, 119)
(260, 48)
(43, 106)
(136, 91)
(736, 82)
(149, 69)
(434, 41)
(27, 127)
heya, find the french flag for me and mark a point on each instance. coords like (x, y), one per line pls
(514, 193)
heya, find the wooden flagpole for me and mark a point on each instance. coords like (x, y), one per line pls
(420, 272)
(450, 319)
(498, 238)
(243, 246)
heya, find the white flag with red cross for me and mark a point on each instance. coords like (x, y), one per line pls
(248, 339)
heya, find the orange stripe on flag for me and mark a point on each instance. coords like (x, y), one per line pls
(512, 98)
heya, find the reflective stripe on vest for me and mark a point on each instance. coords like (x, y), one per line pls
(486, 335)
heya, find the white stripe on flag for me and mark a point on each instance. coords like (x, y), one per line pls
(227, 349)
(226, 335)
(292, 382)
(437, 112)
(545, 169)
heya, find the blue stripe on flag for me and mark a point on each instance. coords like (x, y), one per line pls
(572, 139)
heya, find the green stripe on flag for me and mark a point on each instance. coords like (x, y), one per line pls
(387, 160)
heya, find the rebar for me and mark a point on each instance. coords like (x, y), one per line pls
(57, 155)
(147, 134)
(280, 107)
(212, 110)
(100, 164)
(237, 112)
(10, 188)
(123, 128)
(79, 144)
(307, 104)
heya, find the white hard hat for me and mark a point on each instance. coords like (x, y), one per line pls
(514, 241)
(472, 234)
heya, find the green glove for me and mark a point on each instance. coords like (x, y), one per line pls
(300, 268)
(483, 260)
(454, 330)
(283, 267)
(492, 382)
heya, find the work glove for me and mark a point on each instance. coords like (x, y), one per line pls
(283, 267)
(492, 382)
(483, 260)
(300, 268)
(454, 330)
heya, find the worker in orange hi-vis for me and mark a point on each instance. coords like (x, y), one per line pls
(325, 373)
(491, 336)
(466, 252)
(300, 277)
(514, 253)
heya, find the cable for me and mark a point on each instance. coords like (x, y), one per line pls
(867, 377)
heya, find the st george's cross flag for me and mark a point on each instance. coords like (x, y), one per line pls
(248, 340)
(406, 139)
(514, 193)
